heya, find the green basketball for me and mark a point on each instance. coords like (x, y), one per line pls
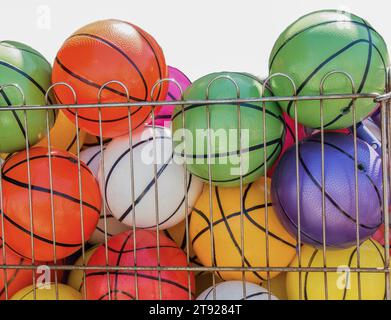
(27, 68)
(322, 42)
(192, 144)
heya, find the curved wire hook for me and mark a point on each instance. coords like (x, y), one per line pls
(116, 82)
(60, 84)
(331, 73)
(266, 82)
(14, 85)
(159, 82)
(226, 77)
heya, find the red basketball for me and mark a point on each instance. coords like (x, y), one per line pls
(104, 51)
(66, 203)
(121, 252)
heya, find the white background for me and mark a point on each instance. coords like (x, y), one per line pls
(197, 36)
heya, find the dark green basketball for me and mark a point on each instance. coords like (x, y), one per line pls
(27, 68)
(326, 41)
(224, 148)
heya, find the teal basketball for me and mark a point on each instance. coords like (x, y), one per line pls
(225, 151)
(27, 68)
(322, 42)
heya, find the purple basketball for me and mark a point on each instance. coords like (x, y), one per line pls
(340, 205)
(163, 118)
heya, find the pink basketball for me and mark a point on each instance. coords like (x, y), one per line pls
(163, 117)
(289, 139)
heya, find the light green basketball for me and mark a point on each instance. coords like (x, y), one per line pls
(322, 42)
(224, 125)
(27, 68)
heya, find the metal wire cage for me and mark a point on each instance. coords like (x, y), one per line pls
(383, 100)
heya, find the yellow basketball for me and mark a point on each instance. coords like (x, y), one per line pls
(63, 135)
(278, 286)
(227, 232)
(48, 292)
(75, 278)
(341, 285)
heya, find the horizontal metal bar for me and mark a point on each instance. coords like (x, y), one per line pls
(195, 268)
(235, 101)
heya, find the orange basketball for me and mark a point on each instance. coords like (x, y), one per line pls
(66, 203)
(104, 51)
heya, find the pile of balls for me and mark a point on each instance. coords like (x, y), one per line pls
(215, 185)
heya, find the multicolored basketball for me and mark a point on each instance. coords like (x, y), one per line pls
(227, 244)
(104, 51)
(173, 285)
(30, 71)
(225, 154)
(65, 215)
(343, 284)
(322, 42)
(340, 208)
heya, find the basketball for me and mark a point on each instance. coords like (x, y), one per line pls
(66, 203)
(48, 292)
(63, 135)
(92, 158)
(340, 208)
(322, 42)
(227, 245)
(30, 71)
(224, 149)
(174, 285)
(91, 141)
(233, 290)
(103, 51)
(76, 277)
(343, 284)
(163, 118)
(118, 187)
(277, 286)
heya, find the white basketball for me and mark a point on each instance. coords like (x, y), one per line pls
(170, 175)
(233, 290)
(92, 158)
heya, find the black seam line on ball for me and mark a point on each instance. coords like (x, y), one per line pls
(46, 190)
(175, 211)
(311, 27)
(93, 84)
(230, 153)
(232, 236)
(120, 253)
(24, 74)
(253, 295)
(349, 266)
(210, 291)
(306, 273)
(116, 294)
(121, 52)
(141, 275)
(108, 216)
(10, 46)
(141, 33)
(29, 292)
(352, 158)
(73, 141)
(115, 164)
(18, 226)
(257, 225)
(363, 79)
(242, 105)
(172, 96)
(94, 156)
(214, 258)
(319, 186)
(13, 250)
(142, 249)
(321, 65)
(103, 120)
(17, 119)
(165, 116)
(71, 159)
(103, 232)
(382, 258)
(12, 278)
(247, 174)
